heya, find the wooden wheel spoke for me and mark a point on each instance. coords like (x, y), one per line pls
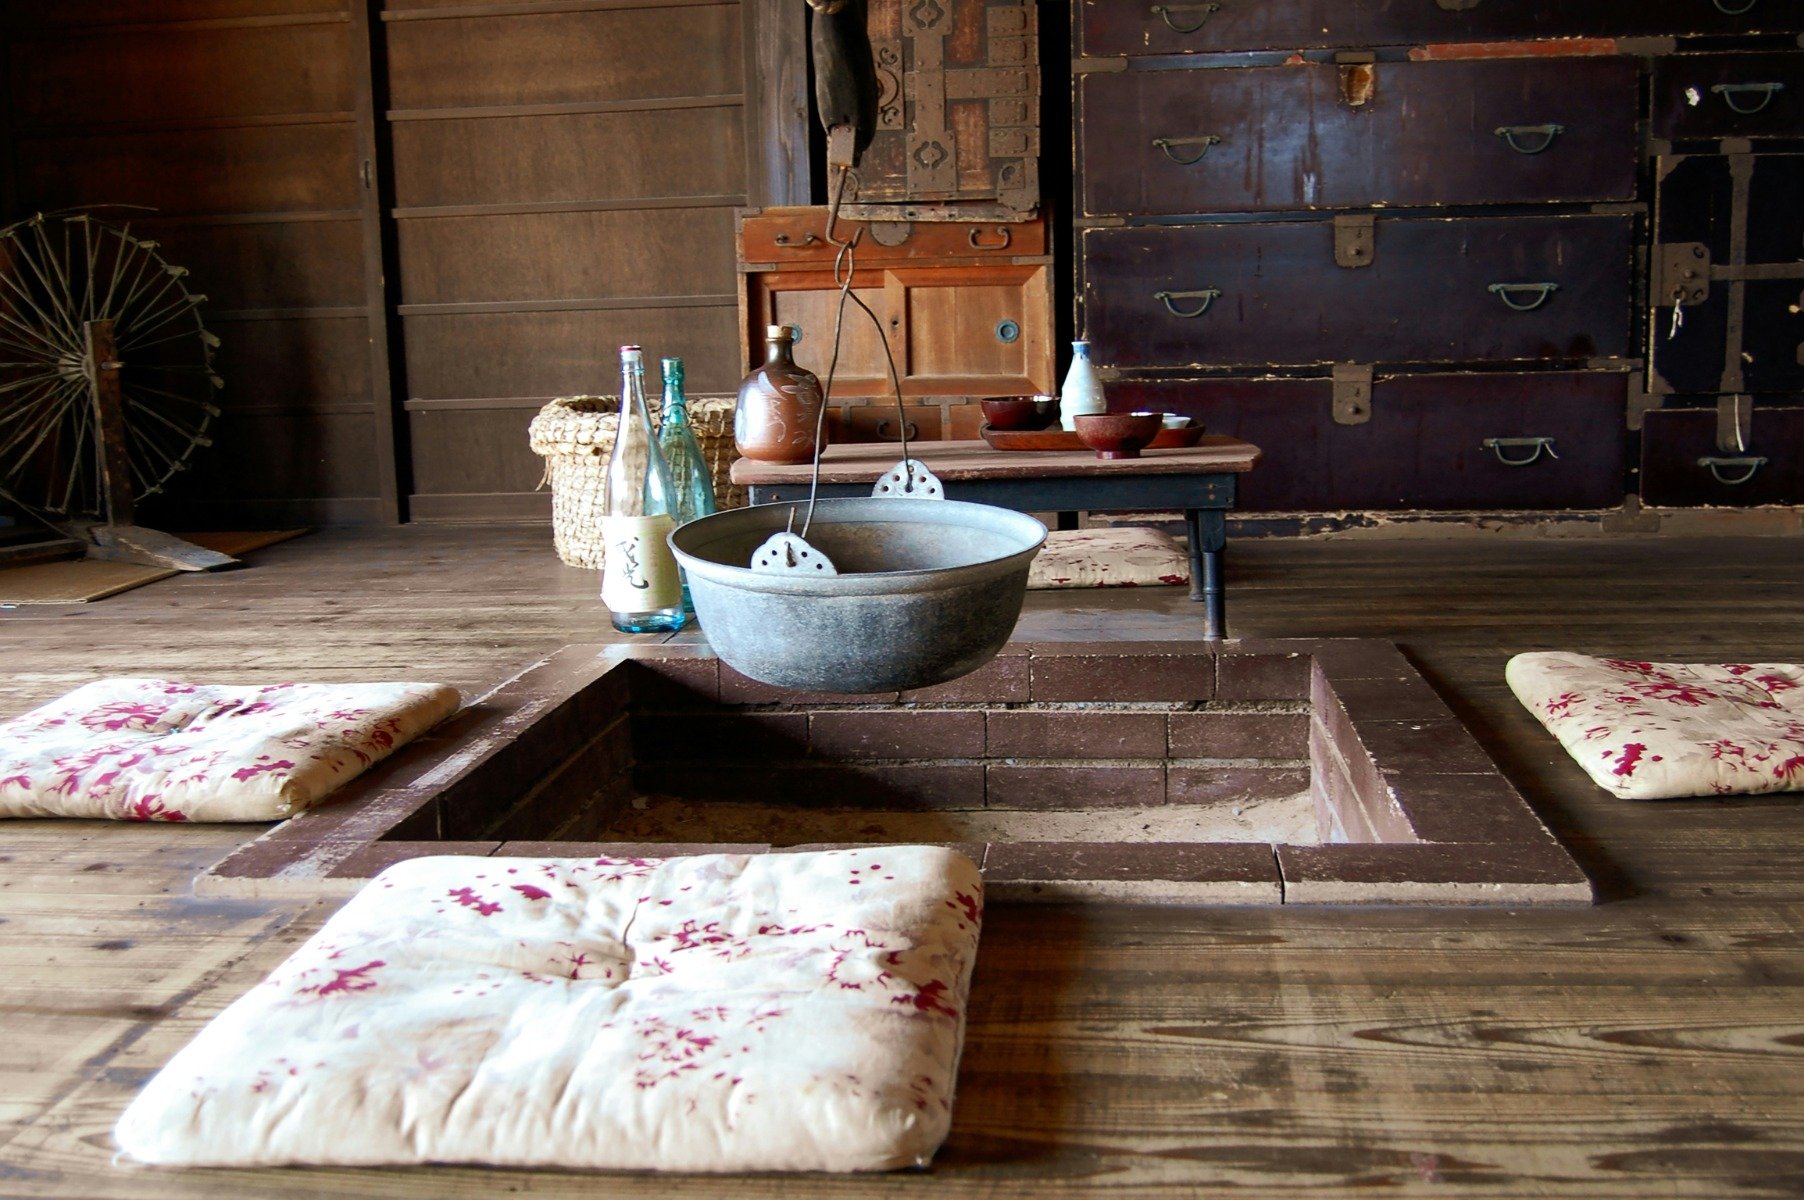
(54, 280)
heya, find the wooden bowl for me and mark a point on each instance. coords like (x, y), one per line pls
(1117, 435)
(1015, 412)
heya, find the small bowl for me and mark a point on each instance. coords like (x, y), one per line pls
(1174, 420)
(1117, 435)
(1016, 412)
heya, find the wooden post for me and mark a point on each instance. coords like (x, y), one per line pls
(109, 421)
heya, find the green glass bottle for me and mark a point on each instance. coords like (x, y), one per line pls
(691, 482)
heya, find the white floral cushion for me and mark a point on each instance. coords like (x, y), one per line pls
(779, 1012)
(152, 750)
(1649, 731)
(1129, 556)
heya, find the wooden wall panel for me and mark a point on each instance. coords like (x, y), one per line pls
(473, 452)
(533, 356)
(553, 159)
(275, 169)
(561, 57)
(106, 77)
(263, 264)
(567, 255)
(295, 363)
(247, 126)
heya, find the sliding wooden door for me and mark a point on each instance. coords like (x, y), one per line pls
(564, 180)
(239, 135)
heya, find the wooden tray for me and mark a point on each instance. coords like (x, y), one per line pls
(1061, 439)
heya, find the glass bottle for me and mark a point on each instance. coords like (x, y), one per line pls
(1082, 390)
(779, 405)
(640, 583)
(690, 478)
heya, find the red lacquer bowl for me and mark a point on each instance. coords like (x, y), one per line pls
(1117, 435)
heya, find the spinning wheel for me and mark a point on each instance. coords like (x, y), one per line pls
(106, 379)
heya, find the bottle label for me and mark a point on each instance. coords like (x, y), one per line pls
(641, 572)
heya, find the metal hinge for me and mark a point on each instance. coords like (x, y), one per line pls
(1681, 274)
(1355, 239)
(1352, 393)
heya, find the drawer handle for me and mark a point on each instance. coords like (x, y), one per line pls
(1506, 293)
(975, 237)
(1729, 92)
(1204, 140)
(1747, 467)
(1536, 447)
(1206, 295)
(783, 239)
(1165, 10)
(911, 430)
(1547, 133)
(1729, 11)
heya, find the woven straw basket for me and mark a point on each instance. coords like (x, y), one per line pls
(575, 436)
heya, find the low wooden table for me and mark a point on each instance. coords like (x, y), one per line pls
(1199, 479)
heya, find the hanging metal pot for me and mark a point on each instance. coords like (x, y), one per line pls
(917, 591)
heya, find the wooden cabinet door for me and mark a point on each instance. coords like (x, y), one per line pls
(1318, 135)
(1438, 290)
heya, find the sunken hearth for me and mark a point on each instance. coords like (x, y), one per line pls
(1322, 772)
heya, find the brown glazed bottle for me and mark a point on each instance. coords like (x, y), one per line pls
(779, 405)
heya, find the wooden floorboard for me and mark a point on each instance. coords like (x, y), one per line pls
(1651, 1046)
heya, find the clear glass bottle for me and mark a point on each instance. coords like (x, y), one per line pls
(690, 478)
(1082, 390)
(640, 583)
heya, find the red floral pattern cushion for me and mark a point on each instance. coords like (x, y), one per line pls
(153, 750)
(1649, 731)
(794, 1012)
(1130, 556)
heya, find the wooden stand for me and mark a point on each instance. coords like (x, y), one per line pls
(118, 537)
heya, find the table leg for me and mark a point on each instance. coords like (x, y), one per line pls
(1208, 535)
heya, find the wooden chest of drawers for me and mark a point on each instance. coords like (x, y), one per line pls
(1432, 290)
(1419, 252)
(1318, 135)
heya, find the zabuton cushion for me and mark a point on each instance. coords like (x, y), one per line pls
(766, 1012)
(1649, 731)
(1129, 556)
(153, 750)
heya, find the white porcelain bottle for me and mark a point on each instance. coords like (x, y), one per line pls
(1082, 391)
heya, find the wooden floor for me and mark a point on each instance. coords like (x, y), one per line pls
(1652, 1046)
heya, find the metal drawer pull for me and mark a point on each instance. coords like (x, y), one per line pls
(912, 431)
(1729, 92)
(1547, 133)
(1165, 11)
(1504, 292)
(1536, 447)
(783, 239)
(1204, 140)
(1747, 467)
(1728, 11)
(975, 238)
(1206, 295)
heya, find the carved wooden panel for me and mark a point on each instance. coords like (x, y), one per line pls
(958, 110)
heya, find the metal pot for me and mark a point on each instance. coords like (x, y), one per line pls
(927, 590)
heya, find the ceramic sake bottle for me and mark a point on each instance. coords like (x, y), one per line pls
(1081, 393)
(779, 405)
